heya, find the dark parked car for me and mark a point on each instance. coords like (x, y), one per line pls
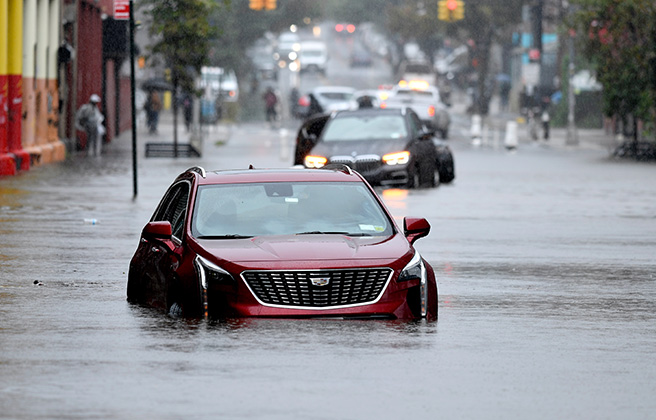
(389, 147)
(280, 243)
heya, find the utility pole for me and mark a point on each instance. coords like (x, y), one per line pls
(572, 136)
(133, 104)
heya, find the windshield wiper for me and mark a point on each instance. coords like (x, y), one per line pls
(319, 232)
(232, 236)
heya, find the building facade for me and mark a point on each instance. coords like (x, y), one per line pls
(52, 58)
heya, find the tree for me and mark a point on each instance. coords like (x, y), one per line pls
(238, 27)
(619, 37)
(485, 22)
(182, 33)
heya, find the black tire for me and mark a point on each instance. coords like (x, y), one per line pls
(446, 170)
(428, 175)
(135, 292)
(413, 178)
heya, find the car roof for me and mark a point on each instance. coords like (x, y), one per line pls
(365, 112)
(321, 89)
(238, 176)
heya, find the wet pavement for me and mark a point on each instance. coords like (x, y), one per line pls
(545, 263)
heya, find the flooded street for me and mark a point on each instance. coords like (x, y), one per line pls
(547, 307)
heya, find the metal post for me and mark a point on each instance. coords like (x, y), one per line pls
(132, 98)
(572, 137)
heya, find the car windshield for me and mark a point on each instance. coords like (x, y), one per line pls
(261, 209)
(365, 128)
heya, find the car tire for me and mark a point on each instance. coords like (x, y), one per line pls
(413, 179)
(447, 172)
(175, 310)
(135, 292)
(428, 175)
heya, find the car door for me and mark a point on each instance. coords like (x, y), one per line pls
(308, 136)
(162, 257)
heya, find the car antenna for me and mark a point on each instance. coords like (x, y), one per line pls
(251, 166)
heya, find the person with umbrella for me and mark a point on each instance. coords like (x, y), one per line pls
(153, 106)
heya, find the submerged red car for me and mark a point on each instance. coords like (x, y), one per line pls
(280, 243)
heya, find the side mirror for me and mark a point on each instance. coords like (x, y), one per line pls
(158, 230)
(415, 228)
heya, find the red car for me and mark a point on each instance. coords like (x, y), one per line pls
(280, 243)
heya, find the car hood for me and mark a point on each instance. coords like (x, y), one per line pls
(359, 147)
(307, 248)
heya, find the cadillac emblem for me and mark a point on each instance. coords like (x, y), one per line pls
(320, 281)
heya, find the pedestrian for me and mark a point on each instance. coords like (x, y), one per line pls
(270, 101)
(187, 109)
(90, 120)
(315, 107)
(153, 107)
(545, 117)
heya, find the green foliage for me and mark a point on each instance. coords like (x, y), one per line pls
(237, 27)
(181, 30)
(619, 37)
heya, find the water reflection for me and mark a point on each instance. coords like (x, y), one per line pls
(302, 335)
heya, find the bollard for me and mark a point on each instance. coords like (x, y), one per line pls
(511, 135)
(476, 129)
(284, 147)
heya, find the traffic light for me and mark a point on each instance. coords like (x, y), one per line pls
(459, 11)
(270, 4)
(442, 11)
(450, 10)
(256, 4)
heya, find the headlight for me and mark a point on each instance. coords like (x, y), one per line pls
(397, 158)
(315, 161)
(414, 270)
(212, 273)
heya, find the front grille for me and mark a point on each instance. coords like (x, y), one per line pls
(363, 164)
(296, 289)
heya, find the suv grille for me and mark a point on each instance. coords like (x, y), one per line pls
(303, 289)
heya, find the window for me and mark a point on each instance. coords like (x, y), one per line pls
(173, 208)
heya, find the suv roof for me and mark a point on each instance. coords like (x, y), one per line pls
(336, 173)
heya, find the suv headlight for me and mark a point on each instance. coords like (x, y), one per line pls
(210, 272)
(414, 270)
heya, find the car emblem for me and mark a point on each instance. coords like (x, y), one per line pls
(321, 281)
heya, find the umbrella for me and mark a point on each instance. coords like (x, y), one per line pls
(156, 83)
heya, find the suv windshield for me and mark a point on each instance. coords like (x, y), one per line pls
(365, 128)
(260, 209)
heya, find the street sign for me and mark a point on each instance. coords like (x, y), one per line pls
(121, 9)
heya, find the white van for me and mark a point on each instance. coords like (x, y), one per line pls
(313, 56)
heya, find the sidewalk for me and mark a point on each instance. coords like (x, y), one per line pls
(495, 124)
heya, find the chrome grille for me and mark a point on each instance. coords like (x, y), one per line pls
(361, 163)
(296, 288)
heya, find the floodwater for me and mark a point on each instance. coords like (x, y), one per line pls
(545, 263)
